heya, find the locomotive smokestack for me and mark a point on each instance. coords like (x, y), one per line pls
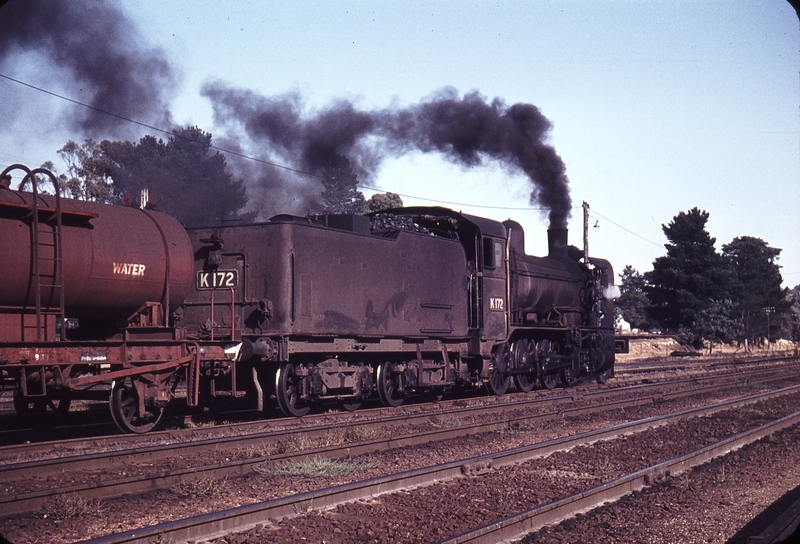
(557, 242)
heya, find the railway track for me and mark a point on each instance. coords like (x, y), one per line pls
(649, 394)
(555, 511)
(21, 445)
(219, 523)
(70, 455)
(701, 365)
(94, 421)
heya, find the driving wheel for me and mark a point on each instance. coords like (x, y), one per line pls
(602, 377)
(549, 380)
(387, 386)
(525, 382)
(524, 355)
(498, 382)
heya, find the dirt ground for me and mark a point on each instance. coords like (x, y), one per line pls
(650, 348)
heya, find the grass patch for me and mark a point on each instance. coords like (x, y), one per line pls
(444, 422)
(71, 506)
(602, 468)
(684, 482)
(318, 467)
(199, 488)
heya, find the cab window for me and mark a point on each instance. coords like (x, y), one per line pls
(492, 253)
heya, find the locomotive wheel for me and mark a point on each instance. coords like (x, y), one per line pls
(602, 377)
(387, 388)
(525, 382)
(544, 349)
(54, 405)
(567, 379)
(498, 383)
(350, 405)
(287, 390)
(549, 380)
(124, 405)
(524, 352)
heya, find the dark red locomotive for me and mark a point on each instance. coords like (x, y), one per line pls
(303, 309)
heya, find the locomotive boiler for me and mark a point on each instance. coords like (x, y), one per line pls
(295, 310)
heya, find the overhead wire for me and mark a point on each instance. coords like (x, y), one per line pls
(288, 168)
(623, 228)
(151, 127)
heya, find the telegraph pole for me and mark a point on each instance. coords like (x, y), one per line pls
(768, 310)
(586, 232)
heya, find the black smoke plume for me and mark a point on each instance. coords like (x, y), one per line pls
(101, 54)
(466, 130)
(97, 56)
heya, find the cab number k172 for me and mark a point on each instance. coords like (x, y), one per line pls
(217, 279)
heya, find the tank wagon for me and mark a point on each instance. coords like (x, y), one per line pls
(108, 301)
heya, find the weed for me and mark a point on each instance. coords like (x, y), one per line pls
(360, 433)
(684, 482)
(521, 427)
(251, 452)
(318, 467)
(721, 477)
(439, 422)
(306, 510)
(777, 438)
(199, 488)
(71, 506)
(603, 469)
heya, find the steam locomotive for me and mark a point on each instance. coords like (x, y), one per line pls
(126, 304)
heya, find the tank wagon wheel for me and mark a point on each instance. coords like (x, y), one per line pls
(387, 387)
(124, 405)
(287, 391)
(523, 353)
(55, 405)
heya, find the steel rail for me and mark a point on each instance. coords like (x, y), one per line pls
(358, 418)
(633, 367)
(23, 502)
(29, 501)
(559, 510)
(781, 529)
(57, 465)
(223, 522)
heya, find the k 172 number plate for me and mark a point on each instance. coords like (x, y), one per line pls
(217, 279)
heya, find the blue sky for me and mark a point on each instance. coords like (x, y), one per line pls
(656, 106)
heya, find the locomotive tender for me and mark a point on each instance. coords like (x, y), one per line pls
(122, 303)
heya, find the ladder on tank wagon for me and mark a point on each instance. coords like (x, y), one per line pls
(46, 247)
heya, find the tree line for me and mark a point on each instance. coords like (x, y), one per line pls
(705, 296)
(190, 180)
